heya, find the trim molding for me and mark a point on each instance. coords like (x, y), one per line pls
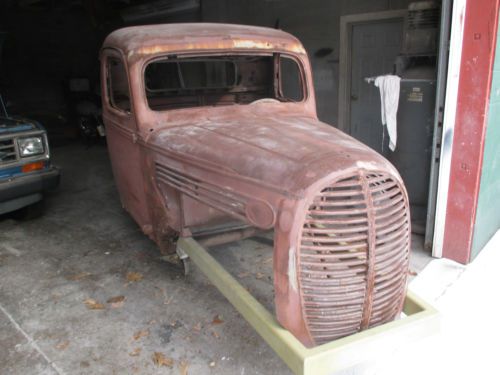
(450, 112)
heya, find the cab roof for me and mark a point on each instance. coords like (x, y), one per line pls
(143, 41)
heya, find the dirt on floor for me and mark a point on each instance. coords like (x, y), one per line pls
(83, 291)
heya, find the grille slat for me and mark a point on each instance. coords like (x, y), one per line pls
(392, 236)
(8, 151)
(384, 186)
(353, 255)
(321, 319)
(347, 211)
(331, 282)
(383, 216)
(327, 304)
(331, 256)
(337, 203)
(339, 322)
(338, 297)
(347, 229)
(383, 248)
(332, 330)
(334, 239)
(313, 263)
(332, 273)
(387, 205)
(395, 218)
(359, 245)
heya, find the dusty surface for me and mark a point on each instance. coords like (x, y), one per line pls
(58, 273)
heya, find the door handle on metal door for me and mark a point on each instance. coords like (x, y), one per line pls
(354, 97)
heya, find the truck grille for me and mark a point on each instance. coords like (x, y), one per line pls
(7, 151)
(353, 256)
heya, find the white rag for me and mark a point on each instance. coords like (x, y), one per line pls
(389, 97)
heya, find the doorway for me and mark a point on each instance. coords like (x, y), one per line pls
(375, 44)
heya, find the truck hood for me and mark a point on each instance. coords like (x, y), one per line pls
(10, 125)
(288, 152)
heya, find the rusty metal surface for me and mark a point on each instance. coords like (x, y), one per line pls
(272, 165)
(140, 42)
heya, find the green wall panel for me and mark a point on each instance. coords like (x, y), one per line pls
(488, 208)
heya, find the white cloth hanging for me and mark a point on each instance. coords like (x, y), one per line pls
(389, 86)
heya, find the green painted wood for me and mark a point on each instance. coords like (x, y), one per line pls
(421, 320)
(488, 205)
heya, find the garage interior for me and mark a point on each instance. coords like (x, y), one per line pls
(83, 290)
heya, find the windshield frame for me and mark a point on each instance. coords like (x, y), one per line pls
(225, 53)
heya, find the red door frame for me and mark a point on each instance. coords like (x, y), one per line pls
(478, 55)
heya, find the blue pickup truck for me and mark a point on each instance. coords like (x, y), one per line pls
(26, 172)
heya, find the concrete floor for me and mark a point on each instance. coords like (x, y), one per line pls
(86, 247)
(467, 342)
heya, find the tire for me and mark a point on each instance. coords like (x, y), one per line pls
(33, 211)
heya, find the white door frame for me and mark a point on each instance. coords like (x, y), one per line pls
(450, 111)
(346, 26)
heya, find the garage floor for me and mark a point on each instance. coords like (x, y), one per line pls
(83, 291)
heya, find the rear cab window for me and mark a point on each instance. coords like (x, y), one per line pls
(117, 85)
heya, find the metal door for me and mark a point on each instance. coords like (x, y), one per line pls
(121, 132)
(375, 46)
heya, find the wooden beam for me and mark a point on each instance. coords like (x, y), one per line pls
(421, 320)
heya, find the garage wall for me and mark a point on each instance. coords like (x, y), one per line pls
(488, 206)
(48, 42)
(315, 22)
(42, 48)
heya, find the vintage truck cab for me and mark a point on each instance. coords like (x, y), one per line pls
(26, 172)
(213, 134)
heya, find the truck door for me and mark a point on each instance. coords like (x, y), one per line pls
(121, 130)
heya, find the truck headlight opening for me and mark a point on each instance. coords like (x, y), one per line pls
(30, 146)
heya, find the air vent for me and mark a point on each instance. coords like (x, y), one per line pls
(209, 194)
(421, 30)
(423, 19)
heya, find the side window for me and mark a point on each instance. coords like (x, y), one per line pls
(117, 82)
(291, 80)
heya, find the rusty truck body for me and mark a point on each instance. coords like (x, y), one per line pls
(213, 133)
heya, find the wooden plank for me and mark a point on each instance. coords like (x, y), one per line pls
(421, 320)
(288, 348)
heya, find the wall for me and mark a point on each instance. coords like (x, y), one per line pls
(43, 48)
(48, 42)
(488, 207)
(315, 22)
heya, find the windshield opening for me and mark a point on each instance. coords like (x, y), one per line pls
(173, 83)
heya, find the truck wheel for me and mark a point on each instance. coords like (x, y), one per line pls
(30, 212)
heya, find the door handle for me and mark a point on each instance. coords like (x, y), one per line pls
(354, 97)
